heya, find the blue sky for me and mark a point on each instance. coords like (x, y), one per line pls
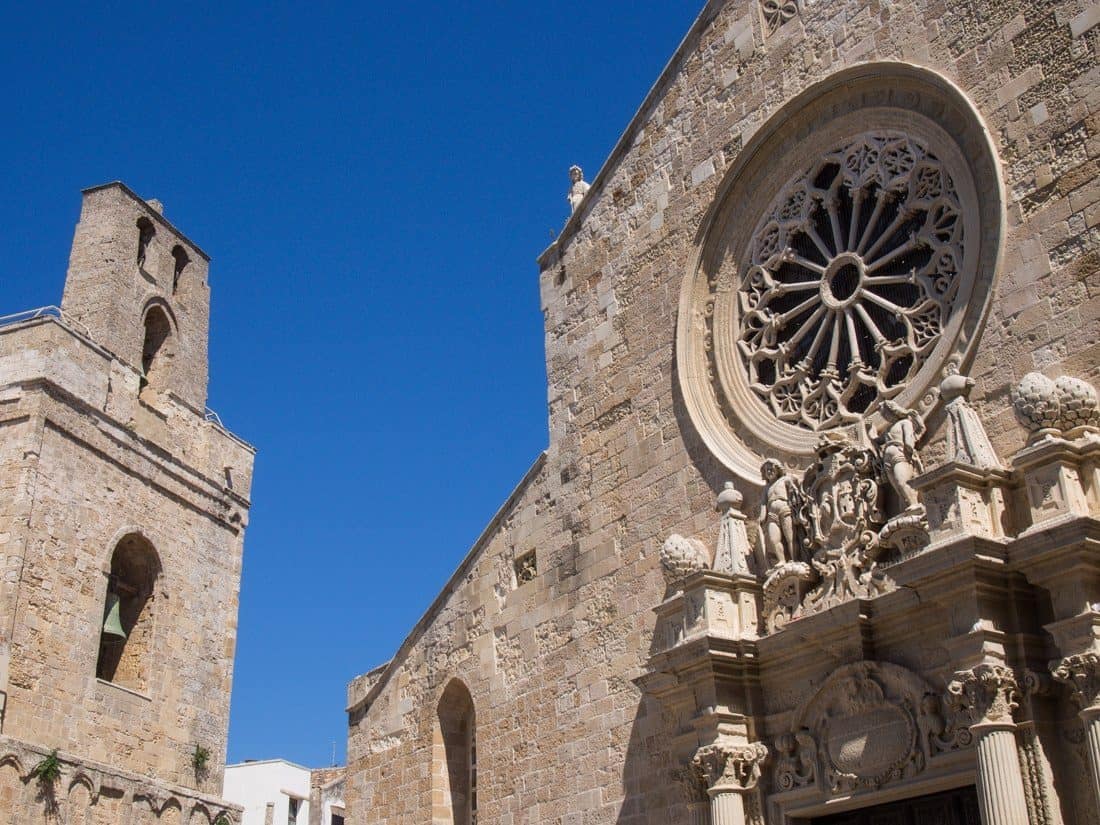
(373, 182)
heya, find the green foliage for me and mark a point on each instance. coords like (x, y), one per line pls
(48, 771)
(222, 820)
(199, 760)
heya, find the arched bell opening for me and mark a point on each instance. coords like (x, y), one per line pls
(158, 348)
(126, 635)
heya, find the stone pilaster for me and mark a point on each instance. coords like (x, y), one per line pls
(1081, 672)
(731, 772)
(986, 696)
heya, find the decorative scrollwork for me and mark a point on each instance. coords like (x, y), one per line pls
(852, 275)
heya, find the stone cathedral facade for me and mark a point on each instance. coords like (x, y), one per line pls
(816, 537)
(122, 524)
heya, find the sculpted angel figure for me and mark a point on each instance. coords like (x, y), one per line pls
(898, 443)
(782, 497)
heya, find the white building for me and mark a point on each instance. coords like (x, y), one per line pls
(277, 792)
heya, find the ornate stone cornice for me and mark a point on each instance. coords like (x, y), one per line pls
(728, 767)
(1081, 672)
(985, 695)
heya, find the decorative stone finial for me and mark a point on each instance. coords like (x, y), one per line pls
(967, 441)
(578, 189)
(155, 205)
(733, 551)
(680, 557)
(1066, 407)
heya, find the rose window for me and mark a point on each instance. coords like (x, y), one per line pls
(853, 273)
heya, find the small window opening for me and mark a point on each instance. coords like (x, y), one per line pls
(126, 637)
(292, 811)
(156, 351)
(145, 237)
(526, 567)
(182, 260)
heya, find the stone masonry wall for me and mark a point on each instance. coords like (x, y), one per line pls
(562, 733)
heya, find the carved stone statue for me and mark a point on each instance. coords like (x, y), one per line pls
(967, 442)
(578, 189)
(900, 461)
(782, 498)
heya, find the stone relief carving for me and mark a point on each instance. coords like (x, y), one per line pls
(940, 732)
(843, 524)
(869, 724)
(852, 275)
(578, 188)
(967, 441)
(681, 557)
(796, 762)
(1066, 407)
(1081, 672)
(986, 694)
(777, 12)
(728, 766)
(824, 534)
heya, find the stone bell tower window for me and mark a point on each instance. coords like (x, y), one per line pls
(126, 637)
(145, 237)
(181, 261)
(852, 273)
(156, 351)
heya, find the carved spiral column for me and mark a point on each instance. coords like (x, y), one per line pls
(731, 772)
(1082, 672)
(986, 696)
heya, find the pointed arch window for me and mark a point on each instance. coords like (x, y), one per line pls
(454, 758)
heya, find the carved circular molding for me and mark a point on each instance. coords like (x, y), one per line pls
(848, 256)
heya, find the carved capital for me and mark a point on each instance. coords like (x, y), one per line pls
(1081, 672)
(985, 695)
(727, 767)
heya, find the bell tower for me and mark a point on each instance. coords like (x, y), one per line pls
(139, 287)
(121, 535)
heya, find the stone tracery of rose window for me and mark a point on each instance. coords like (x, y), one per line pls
(853, 273)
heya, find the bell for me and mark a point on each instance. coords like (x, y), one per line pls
(112, 621)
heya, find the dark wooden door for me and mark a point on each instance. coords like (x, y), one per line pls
(957, 807)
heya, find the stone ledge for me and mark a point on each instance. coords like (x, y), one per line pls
(98, 777)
